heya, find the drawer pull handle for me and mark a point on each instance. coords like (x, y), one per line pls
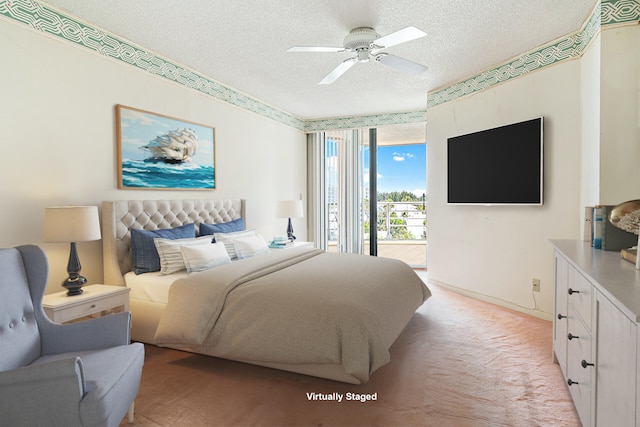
(571, 291)
(93, 306)
(571, 382)
(560, 317)
(585, 364)
(571, 336)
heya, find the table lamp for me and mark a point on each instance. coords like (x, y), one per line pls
(71, 224)
(290, 209)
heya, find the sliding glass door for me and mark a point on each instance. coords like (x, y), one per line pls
(401, 195)
(368, 192)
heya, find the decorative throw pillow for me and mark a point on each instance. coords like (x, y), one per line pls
(203, 257)
(246, 247)
(145, 256)
(228, 238)
(224, 227)
(170, 254)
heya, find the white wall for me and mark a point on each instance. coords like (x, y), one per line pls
(619, 119)
(57, 130)
(592, 151)
(493, 252)
(611, 117)
(590, 111)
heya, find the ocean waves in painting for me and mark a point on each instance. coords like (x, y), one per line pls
(141, 174)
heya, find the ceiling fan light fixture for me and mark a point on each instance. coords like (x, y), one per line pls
(360, 38)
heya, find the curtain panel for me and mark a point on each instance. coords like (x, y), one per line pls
(336, 166)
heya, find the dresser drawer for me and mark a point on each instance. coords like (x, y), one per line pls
(580, 374)
(580, 295)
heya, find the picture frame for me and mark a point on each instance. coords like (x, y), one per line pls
(158, 152)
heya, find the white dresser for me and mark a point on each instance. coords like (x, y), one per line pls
(596, 337)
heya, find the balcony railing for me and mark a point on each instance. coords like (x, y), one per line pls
(402, 221)
(396, 221)
(401, 231)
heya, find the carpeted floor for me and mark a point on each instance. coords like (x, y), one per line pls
(460, 362)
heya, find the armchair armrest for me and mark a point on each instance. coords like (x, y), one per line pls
(94, 334)
(39, 394)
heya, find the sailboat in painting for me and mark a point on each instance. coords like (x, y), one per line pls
(176, 146)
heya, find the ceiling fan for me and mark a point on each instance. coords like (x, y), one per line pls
(365, 43)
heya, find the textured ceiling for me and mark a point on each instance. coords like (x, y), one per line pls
(242, 44)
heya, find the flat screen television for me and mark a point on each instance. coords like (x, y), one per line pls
(500, 166)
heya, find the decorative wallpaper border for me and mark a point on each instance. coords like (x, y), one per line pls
(43, 18)
(619, 11)
(606, 12)
(365, 121)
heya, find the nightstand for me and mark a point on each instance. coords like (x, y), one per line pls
(94, 299)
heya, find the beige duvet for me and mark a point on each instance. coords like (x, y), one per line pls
(295, 306)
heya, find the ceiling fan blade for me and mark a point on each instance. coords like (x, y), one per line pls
(338, 71)
(400, 63)
(401, 36)
(315, 49)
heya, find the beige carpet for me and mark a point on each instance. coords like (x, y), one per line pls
(460, 362)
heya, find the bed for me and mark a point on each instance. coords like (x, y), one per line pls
(302, 310)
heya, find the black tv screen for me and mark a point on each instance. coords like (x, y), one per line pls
(500, 166)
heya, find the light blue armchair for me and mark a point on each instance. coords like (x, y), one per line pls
(79, 374)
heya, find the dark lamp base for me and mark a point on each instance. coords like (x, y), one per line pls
(290, 231)
(75, 281)
(74, 284)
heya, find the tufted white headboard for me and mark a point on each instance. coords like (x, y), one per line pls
(118, 217)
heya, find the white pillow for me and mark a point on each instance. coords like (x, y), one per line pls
(228, 238)
(203, 257)
(170, 255)
(247, 247)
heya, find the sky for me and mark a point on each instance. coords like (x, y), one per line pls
(402, 167)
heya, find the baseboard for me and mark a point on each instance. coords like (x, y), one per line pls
(497, 301)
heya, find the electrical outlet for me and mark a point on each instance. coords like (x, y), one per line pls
(536, 285)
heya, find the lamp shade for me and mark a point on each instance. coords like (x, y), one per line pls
(289, 209)
(64, 224)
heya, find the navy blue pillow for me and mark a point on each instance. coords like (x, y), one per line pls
(145, 254)
(223, 227)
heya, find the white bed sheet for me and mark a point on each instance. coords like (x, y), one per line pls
(153, 286)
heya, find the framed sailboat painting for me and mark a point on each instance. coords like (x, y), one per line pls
(157, 152)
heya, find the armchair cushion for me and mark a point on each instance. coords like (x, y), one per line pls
(37, 394)
(112, 378)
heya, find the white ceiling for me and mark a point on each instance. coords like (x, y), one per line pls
(242, 43)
